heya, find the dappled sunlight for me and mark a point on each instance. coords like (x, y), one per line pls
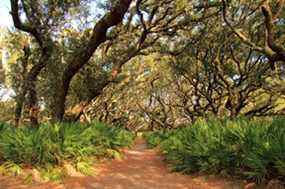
(142, 168)
(18, 183)
(142, 94)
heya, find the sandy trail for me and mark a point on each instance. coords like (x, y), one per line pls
(141, 168)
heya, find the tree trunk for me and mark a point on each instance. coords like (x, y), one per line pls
(79, 59)
(20, 98)
(19, 107)
(32, 26)
(32, 104)
(30, 83)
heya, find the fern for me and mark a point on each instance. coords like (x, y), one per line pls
(251, 149)
(48, 146)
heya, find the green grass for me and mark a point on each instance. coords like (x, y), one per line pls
(51, 145)
(254, 150)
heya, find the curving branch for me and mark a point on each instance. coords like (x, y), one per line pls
(266, 10)
(238, 33)
(15, 9)
(80, 58)
(272, 50)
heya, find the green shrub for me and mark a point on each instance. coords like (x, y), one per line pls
(51, 145)
(250, 149)
(155, 138)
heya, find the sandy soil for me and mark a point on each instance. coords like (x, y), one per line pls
(141, 168)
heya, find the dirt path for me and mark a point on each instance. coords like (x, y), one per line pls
(141, 168)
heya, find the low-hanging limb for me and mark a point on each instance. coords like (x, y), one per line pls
(142, 43)
(81, 58)
(271, 48)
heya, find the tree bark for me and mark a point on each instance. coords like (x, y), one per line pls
(29, 83)
(78, 60)
(20, 98)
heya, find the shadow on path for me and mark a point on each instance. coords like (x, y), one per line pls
(141, 168)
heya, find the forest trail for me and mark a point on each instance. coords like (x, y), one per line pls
(140, 168)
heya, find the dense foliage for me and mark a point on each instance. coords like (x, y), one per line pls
(250, 149)
(145, 65)
(175, 61)
(53, 145)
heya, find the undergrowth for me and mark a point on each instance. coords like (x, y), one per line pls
(50, 146)
(254, 150)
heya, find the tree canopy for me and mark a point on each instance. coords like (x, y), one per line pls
(163, 63)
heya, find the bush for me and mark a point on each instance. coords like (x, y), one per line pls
(52, 145)
(250, 149)
(155, 138)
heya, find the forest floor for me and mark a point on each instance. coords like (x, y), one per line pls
(140, 168)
